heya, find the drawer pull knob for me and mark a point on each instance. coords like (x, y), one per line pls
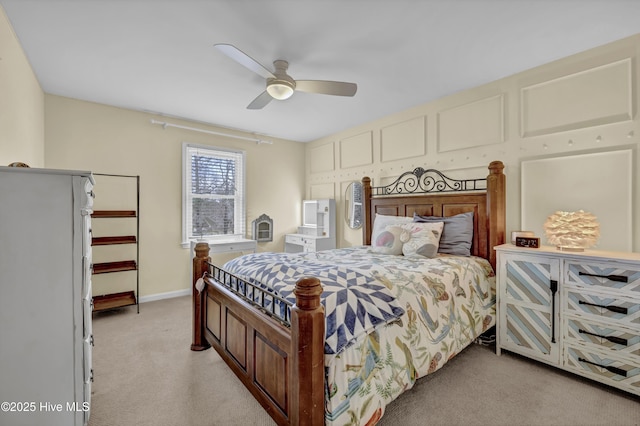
(617, 278)
(617, 309)
(612, 339)
(614, 370)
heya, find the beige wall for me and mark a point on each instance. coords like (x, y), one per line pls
(21, 103)
(585, 103)
(104, 139)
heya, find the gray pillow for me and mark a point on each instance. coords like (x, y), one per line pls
(457, 235)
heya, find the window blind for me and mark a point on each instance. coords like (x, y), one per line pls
(214, 204)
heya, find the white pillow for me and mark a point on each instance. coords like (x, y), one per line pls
(421, 238)
(386, 232)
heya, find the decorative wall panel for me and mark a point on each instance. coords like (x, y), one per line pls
(356, 150)
(483, 124)
(321, 158)
(597, 96)
(582, 182)
(324, 190)
(403, 140)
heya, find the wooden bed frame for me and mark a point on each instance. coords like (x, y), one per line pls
(281, 364)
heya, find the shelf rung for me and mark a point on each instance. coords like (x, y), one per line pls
(106, 241)
(106, 267)
(113, 213)
(112, 301)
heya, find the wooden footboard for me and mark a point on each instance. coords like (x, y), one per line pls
(281, 364)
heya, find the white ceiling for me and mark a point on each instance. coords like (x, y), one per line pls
(158, 56)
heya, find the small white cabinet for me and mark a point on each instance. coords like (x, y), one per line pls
(577, 311)
(318, 230)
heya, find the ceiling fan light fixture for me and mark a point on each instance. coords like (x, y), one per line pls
(280, 89)
(279, 84)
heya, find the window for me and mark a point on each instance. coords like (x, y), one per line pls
(213, 193)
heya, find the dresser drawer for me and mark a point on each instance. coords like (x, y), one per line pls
(305, 243)
(87, 310)
(603, 276)
(309, 245)
(86, 235)
(294, 239)
(86, 278)
(599, 366)
(603, 307)
(606, 337)
(87, 349)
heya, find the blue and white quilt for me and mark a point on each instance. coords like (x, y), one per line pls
(354, 298)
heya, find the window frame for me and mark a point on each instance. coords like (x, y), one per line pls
(240, 218)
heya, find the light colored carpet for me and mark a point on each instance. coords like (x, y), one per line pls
(145, 374)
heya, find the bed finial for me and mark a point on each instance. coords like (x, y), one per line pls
(308, 291)
(496, 167)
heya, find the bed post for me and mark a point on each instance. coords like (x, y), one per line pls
(496, 196)
(307, 346)
(366, 200)
(199, 268)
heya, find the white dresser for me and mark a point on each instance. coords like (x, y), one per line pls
(579, 311)
(45, 296)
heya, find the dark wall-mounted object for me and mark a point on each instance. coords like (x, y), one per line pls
(262, 228)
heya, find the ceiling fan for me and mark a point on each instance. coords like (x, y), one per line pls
(279, 84)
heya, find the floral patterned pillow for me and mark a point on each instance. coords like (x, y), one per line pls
(421, 239)
(388, 241)
(385, 237)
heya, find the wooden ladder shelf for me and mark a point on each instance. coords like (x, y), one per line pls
(124, 235)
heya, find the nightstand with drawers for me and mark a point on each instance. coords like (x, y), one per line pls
(579, 311)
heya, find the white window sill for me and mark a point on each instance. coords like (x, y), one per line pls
(226, 245)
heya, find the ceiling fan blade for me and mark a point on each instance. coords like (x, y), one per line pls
(243, 59)
(338, 88)
(261, 101)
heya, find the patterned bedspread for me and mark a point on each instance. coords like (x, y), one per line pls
(434, 309)
(354, 299)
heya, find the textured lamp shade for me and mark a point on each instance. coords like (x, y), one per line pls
(572, 231)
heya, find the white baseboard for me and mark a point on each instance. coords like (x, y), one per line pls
(167, 295)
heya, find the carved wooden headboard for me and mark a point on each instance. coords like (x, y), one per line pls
(431, 193)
